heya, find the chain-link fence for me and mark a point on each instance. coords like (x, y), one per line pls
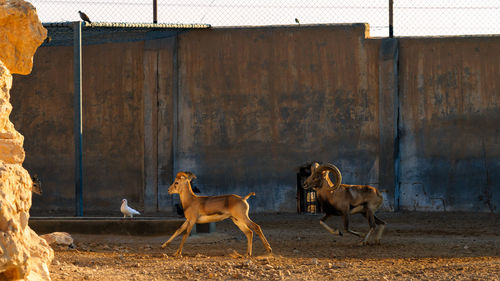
(410, 17)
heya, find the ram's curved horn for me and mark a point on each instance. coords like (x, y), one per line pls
(334, 170)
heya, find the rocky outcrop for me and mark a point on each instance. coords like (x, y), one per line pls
(59, 238)
(11, 141)
(21, 34)
(23, 254)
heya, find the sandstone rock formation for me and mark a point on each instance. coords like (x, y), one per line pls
(59, 238)
(21, 34)
(23, 254)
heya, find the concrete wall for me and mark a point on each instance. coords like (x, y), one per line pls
(450, 123)
(243, 108)
(113, 139)
(254, 104)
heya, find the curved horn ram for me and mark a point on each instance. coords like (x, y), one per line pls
(344, 200)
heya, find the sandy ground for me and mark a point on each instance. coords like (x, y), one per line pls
(415, 246)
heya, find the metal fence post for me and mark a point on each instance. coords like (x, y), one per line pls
(78, 131)
(391, 28)
(155, 11)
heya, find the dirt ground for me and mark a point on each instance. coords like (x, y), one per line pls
(415, 246)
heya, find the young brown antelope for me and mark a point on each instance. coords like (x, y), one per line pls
(205, 209)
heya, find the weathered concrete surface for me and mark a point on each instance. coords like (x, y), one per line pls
(113, 126)
(256, 103)
(48, 107)
(450, 124)
(277, 115)
(161, 74)
(388, 116)
(244, 107)
(141, 226)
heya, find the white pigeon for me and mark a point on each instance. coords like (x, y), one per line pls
(127, 211)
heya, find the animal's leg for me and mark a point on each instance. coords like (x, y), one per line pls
(357, 209)
(255, 227)
(381, 226)
(346, 217)
(371, 222)
(378, 221)
(248, 233)
(177, 232)
(188, 231)
(329, 229)
(365, 240)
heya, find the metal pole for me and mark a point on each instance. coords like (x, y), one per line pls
(155, 11)
(78, 131)
(175, 113)
(391, 28)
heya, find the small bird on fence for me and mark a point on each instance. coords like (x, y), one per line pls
(127, 211)
(297, 21)
(84, 17)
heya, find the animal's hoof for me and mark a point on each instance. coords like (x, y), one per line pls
(178, 254)
(164, 245)
(340, 233)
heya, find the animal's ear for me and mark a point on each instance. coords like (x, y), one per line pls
(191, 176)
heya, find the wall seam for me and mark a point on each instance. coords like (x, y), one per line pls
(397, 146)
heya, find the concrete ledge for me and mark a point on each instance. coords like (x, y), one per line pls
(102, 225)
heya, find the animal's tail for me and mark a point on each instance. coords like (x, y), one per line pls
(248, 196)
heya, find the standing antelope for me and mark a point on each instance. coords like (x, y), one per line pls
(205, 209)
